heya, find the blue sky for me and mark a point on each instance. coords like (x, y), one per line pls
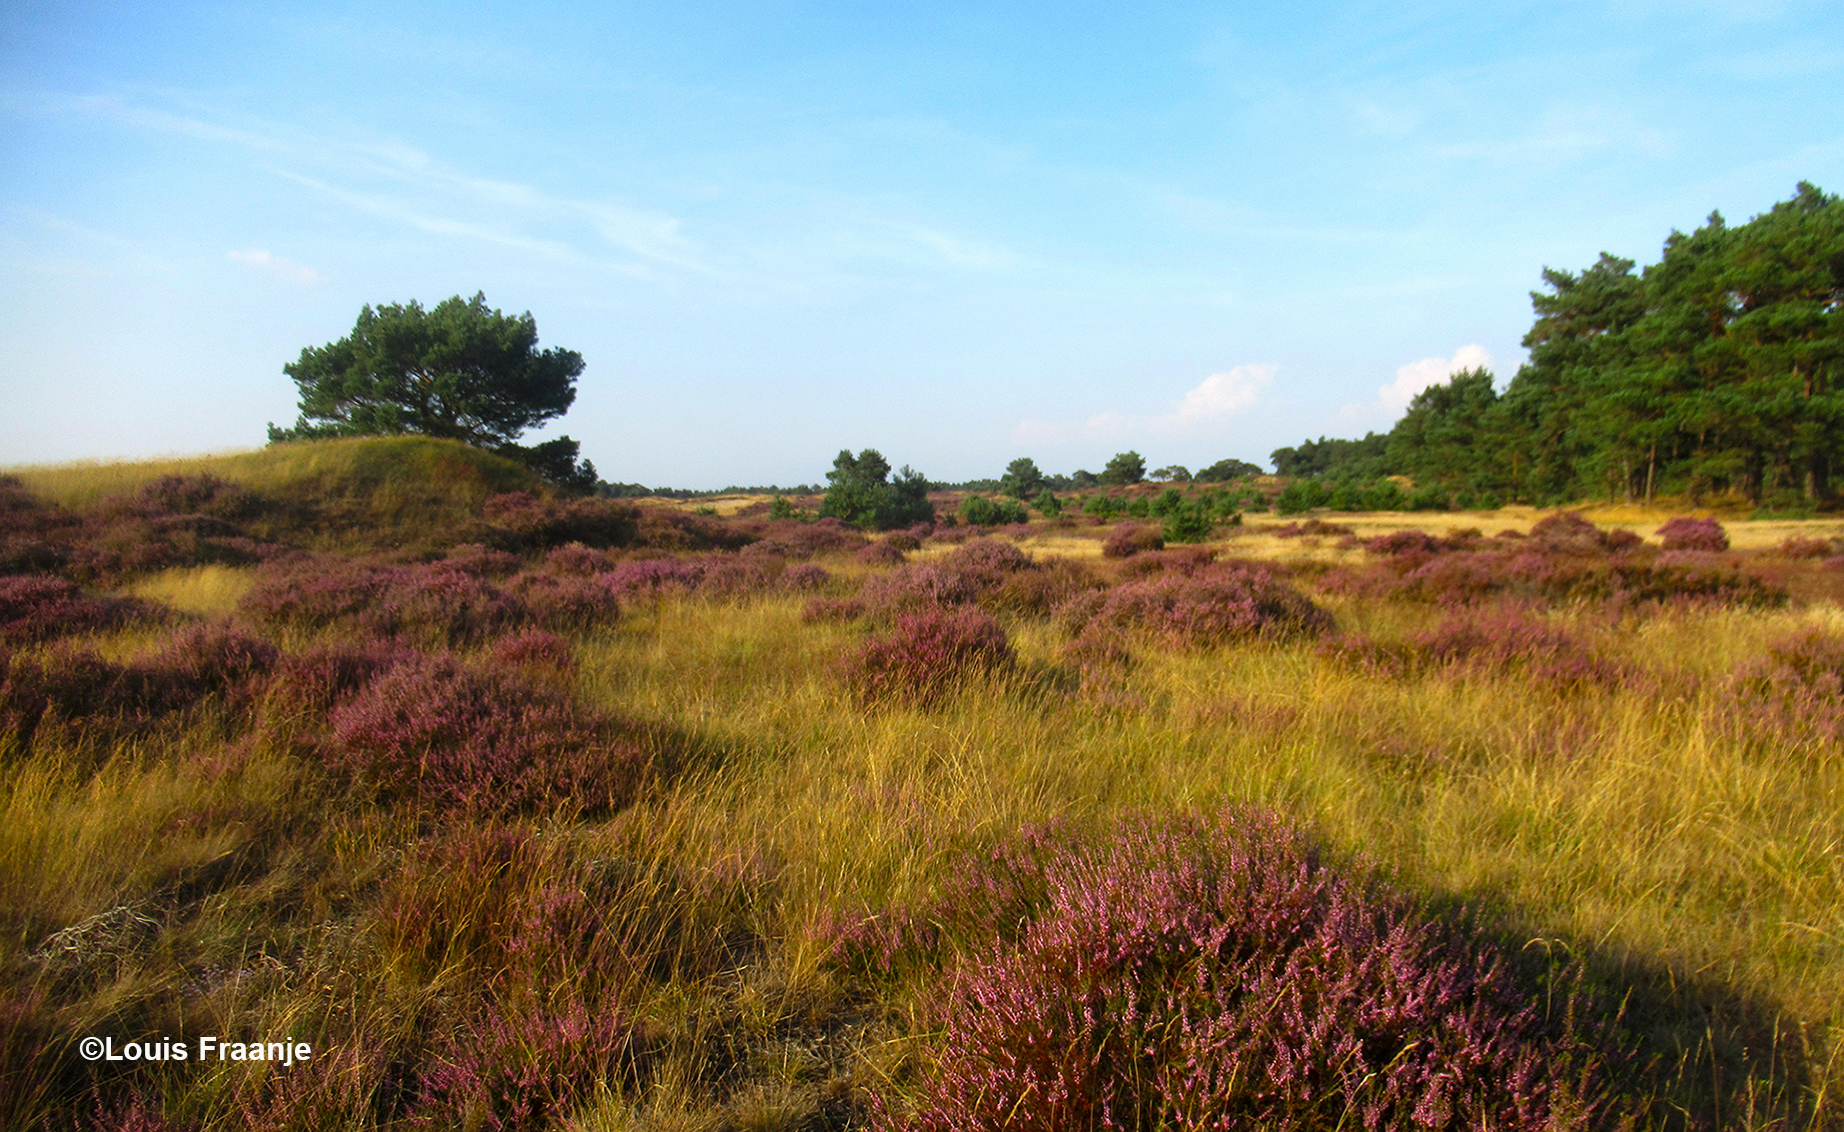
(957, 233)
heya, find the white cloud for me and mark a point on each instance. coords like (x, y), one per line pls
(1216, 398)
(1394, 398)
(263, 260)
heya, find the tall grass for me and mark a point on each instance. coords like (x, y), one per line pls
(668, 955)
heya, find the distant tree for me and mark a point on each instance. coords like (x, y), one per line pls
(1022, 478)
(1172, 473)
(1124, 468)
(461, 370)
(863, 494)
(1048, 504)
(1438, 441)
(1082, 477)
(1227, 470)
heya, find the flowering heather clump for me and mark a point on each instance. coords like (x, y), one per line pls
(1694, 534)
(1798, 688)
(533, 650)
(880, 554)
(730, 576)
(37, 608)
(914, 587)
(565, 601)
(1211, 607)
(651, 577)
(211, 658)
(925, 655)
(794, 539)
(576, 559)
(1403, 542)
(1311, 527)
(441, 605)
(1044, 588)
(1189, 973)
(527, 1069)
(197, 495)
(1493, 640)
(668, 528)
(1569, 532)
(805, 577)
(832, 609)
(472, 558)
(1130, 539)
(1806, 548)
(308, 684)
(986, 563)
(315, 593)
(906, 540)
(441, 733)
(1186, 560)
(520, 521)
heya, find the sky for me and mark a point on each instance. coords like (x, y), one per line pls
(958, 233)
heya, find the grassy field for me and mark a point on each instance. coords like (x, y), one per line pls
(1636, 791)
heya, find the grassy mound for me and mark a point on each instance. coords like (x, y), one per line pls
(372, 492)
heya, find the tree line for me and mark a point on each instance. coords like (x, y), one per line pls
(1714, 371)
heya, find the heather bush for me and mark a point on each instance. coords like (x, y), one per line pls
(1806, 548)
(1311, 527)
(1569, 532)
(473, 558)
(309, 683)
(437, 732)
(1209, 607)
(905, 541)
(38, 608)
(880, 554)
(564, 601)
(914, 587)
(533, 651)
(439, 605)
(925, 655)
(986, 563)
(805, 577)
(526, 1069)
(1222, 973)
(823, 609)
(1796, 689)
(1187, 561)
(520, 521)
(651, 577)
(794, 539)
(1043, 588)
(1495, 639)
(667, 528)
(576, 559)
(1129, 539)
(195, 495)
(1693, 534)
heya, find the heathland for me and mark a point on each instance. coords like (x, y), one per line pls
(530, 811)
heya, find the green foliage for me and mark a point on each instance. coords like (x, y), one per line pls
(1169, 502)
(1301, 496)
(1048, 504)
(862, 492)
(980, 511)
(460, 371)
(1124, 468)
(780, 508)
(1102, 506)
(1022, 479)
(1364, 459)
(1188, 524)
(1139, 508)
(1384, 495)
(1172, 473)
(1227, 470)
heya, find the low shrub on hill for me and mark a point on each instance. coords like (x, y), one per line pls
(1208, 607)
(925, 655)
(1202, 973)
(1694, 534)
(38, 608)
(1130, 539)
(437, 732)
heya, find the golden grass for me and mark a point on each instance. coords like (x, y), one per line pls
(1652, 834)
(343, 465)
(210, 591)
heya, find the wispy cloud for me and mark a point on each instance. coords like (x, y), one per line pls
(1394, 398)
(415, 188)
(1213, 401)
(261, 259)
